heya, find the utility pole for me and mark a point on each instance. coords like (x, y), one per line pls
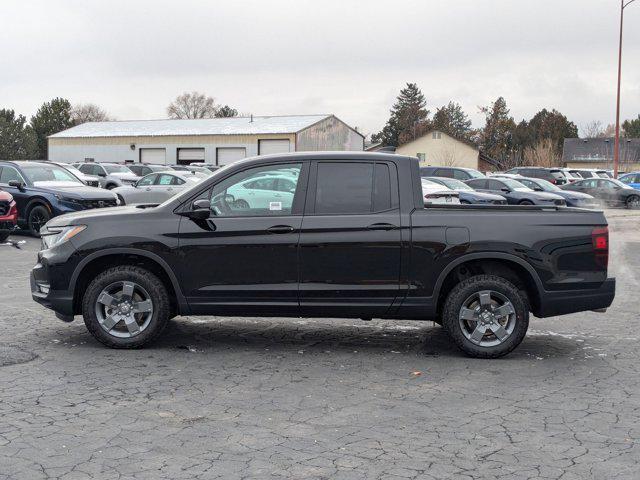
(616, 148)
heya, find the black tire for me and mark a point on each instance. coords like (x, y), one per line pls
(526, 202)
(4, 236)
(158, 296)
(633, 201)
(122, 202)
(465, 202)
(465, 290)
(38, 215)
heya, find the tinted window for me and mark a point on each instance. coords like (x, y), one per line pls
(593, 183)
(137, 169)
(426, 171)
(177, 181)
(381, 188)
(148, 180)
(495, 185)
(479, 183)
(443, 172)
(344, 187)
(460, 175)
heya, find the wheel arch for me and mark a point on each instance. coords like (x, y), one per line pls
(98, 261)
(509, 266)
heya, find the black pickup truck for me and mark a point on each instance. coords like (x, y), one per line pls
(332, 234)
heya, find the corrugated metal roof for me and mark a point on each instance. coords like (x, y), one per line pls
(205, 126)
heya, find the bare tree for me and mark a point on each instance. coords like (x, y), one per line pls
(542, 154)
(192, 105)
(592, 129)
(88, 112)
(446, 156)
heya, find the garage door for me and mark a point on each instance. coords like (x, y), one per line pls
(265, 147)
(227, 155)
(188, 155)
(153, 155)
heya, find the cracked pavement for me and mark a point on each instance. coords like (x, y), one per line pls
(276, 398)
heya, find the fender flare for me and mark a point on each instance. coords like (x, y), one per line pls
(487, 256)
(183, 306)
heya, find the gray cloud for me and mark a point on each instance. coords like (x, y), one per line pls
(345, 57)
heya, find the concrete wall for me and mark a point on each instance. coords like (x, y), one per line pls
(444, 151)
(118, 149)
(329, 134)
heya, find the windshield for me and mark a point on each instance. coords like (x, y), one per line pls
(454, 184)
(514, 185)
(543, 184)
(49, 173)
(620, 184)
(116, 169)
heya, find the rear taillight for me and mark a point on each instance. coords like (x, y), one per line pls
(13, 209)
(600, 241)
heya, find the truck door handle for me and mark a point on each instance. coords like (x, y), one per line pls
(280, 229)
(381, 226)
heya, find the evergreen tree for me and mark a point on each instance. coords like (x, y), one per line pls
(632, 128)
(226, 111)
(497, 136)
(452, 120)
(52, 117)
(408, 120)
(17, 140)
(550, 125)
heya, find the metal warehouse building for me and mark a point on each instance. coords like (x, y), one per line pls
(216, 140)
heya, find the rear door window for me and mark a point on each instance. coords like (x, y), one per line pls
(443, 172)
(344, 188)
(460, 175)
(164, 179)
(479, 183)
(495, 185)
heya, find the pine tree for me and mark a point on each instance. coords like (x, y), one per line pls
(52, 117)
(497, 136)
(632, 128)
(452, 120)
(409, 118)
(17, 140)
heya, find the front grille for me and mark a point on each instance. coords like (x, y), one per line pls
(99, 203)
(93, 183)
(4, 208)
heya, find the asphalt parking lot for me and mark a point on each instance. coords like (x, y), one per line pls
(320, 398)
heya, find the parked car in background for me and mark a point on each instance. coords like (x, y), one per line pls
(552, 175)
(156, 187)
(111, 175)
(437, 194)
(590, 172)
(611, 191)
(8, 215)
(571, 177)
(91, 180)
(514, 176)
(573, 199)
(43, 190)
(458, 173)
(515, 192)
(190, 168)
(467, 194)
(631, 179)
(142, 169)
(357, 241)
(209, 166)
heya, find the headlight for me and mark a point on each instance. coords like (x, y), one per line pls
(75, 201)
(52, 236)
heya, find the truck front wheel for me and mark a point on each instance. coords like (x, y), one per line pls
(486, 316)
(125, 307)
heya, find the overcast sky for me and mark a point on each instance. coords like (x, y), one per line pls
(344, 57)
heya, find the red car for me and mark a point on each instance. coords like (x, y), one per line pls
(8, 215)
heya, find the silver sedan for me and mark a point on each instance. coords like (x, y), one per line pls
(157, 187)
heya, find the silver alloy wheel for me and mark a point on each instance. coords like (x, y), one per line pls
(124, 309)
(487, 318)
(634, 202)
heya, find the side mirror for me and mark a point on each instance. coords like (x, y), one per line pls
(505, 190)
(17, 184)
(200, 210)
(538, 189)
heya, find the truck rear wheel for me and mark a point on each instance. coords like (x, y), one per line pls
(486, 316)
(126, 307)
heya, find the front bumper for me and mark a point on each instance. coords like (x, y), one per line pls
(60, 301)
(562, 302)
